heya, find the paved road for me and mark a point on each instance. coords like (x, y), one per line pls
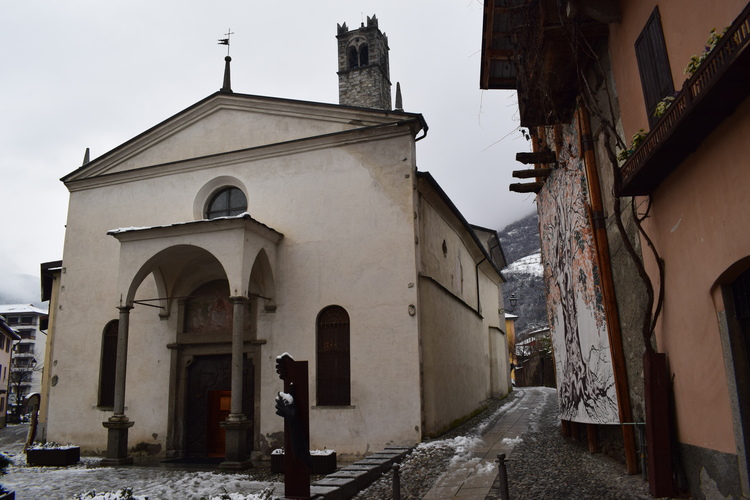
(473, 478)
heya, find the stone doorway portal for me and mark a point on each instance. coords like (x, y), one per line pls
(207, 403)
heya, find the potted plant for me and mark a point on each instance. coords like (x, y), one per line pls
(324, 461)
(52, 454)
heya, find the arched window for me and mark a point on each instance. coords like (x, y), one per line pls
(364, 55)
(108, 365)
(227, 202)
(333, 363)
(352, 55)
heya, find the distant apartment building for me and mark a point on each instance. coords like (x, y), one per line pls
(7, 336)
(27, 361)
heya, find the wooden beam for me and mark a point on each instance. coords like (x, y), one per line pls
(545, 156)
(526, 187)
(565, 428)
(532, 173)
(591, 434)
(575, 431)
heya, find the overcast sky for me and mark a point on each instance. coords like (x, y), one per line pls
(94, 73)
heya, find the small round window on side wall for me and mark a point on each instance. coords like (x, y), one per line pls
(226, 203)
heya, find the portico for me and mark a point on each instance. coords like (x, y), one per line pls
(214, 274)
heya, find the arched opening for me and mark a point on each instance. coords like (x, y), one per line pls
(207, 319)
(352, 56)
(333, 372)
(107, 365)
(364, 55)
(734, 322)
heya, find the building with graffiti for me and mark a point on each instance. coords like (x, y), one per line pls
(637, 113)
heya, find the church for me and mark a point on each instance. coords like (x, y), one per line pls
(244, 227)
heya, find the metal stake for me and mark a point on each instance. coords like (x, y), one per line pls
(502, 472)
(396, 482)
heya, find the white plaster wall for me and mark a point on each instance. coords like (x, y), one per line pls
(455, 337)
(347, 218)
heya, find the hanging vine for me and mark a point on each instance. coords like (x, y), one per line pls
(655, 298)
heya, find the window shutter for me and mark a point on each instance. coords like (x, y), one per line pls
(653, 65)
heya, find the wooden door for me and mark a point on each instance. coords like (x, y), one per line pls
(219, 406)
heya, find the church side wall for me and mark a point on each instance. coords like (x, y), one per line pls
(456, 339)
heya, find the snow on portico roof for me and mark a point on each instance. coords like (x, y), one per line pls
(20, 309)
(244, 215)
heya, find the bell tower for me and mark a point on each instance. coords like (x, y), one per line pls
(364, 74)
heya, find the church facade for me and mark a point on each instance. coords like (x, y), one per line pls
(244, 227)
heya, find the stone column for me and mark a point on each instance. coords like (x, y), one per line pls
(118, 424)
(236, 424)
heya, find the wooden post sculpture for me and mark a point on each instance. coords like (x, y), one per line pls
(293, 406)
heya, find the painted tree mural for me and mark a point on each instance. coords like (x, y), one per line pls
(575, 304)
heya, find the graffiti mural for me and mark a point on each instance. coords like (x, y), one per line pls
(575, 305)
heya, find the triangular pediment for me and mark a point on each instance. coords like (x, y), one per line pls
(227, 122)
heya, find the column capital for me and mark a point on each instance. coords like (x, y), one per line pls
(239, 299)
(124, 309)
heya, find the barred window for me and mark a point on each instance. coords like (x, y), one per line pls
(333, 360)
(108, 365)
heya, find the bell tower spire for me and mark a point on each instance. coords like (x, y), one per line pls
(364, 72)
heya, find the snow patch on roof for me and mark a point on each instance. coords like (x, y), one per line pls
(21, 308)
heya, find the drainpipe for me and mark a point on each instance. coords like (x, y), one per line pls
(598, 223)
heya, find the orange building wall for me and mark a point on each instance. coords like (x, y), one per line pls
(700, 227)
(699, 220)
(686, 25)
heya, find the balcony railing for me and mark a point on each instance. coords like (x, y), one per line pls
(712, 94)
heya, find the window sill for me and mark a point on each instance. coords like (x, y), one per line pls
(342, 407)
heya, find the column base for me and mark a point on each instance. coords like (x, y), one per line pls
(117, 441)
(235, 453)
(229, 465)
(112, 462)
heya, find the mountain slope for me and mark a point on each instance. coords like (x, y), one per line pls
(524, 274)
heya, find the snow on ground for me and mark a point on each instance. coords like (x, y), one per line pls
(531, 264)
(81, 481)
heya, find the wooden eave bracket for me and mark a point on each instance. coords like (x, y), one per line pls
(541, 173)
(544, 157)
(526, 187)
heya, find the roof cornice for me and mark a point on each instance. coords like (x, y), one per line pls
(297, 146)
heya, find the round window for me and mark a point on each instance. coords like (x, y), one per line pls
(227, 202)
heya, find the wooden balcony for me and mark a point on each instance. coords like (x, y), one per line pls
(713, 93)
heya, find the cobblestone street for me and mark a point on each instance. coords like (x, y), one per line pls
(545, 465)
(541, 465)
